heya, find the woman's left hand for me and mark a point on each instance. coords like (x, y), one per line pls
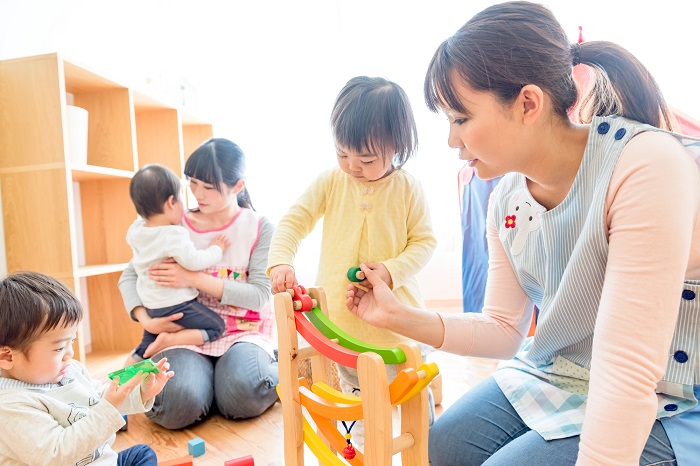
(171, 274)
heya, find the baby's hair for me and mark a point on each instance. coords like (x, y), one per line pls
(512, 44)
(374, 114)
(31, 304)
(219, 162)
(151, 187)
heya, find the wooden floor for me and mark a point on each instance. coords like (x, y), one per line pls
(262, 436)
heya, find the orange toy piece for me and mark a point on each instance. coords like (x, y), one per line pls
(184, 461)
(242, 461)
(301, 299)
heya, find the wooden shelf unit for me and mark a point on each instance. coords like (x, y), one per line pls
(126, 130)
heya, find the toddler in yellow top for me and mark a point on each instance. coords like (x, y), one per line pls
(373, 211)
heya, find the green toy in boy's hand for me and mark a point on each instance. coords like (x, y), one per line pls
(129, 372)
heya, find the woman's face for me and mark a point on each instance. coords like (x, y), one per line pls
(486, 135)
(209, 199)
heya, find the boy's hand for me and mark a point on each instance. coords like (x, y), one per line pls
(154, 383)
(282, 278)
(116, 394)
(222, 241)
(381, 270)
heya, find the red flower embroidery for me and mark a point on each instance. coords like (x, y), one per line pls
(510, 221)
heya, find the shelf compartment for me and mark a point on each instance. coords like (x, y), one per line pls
(159, 137)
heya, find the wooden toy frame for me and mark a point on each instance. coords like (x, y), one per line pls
(325, 405)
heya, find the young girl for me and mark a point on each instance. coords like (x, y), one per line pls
(597, 224)
(374, 211)
(52, 411)
(237, 371)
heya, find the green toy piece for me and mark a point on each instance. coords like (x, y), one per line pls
(125, 374)
(331, 331)
(355, 274)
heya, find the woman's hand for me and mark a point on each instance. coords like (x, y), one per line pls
(154, 383)
(157, 325)
(171, 274)
(282, 278)
(375, 306)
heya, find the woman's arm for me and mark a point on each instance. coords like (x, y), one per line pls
(256, 293)
(133, 305)
(652, 207)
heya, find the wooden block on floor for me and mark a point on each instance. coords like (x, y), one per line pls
(184, 461)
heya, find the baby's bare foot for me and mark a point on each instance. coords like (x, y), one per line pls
(161, 341)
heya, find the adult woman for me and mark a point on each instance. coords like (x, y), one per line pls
(578, 225)
(237, 371)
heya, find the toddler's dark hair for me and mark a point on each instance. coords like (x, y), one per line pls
(32, 303)
(374, 114)
(151, 187)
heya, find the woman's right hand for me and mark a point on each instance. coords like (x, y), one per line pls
(282, 278)
(376, 305)
(157, 325)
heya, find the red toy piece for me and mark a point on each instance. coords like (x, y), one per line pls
(184, 461)
(301, 299)
(349, 452)
(242, 461)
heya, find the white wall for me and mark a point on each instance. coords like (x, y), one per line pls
(266, 74)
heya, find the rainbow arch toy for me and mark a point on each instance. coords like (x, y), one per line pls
(304, 406)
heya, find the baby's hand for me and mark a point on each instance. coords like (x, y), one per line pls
(222, 241)
(282, 278)
(154, 383)
(116, 394)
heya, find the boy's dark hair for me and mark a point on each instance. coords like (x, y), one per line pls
(512, 44)
(374, 114)
(31, 304)
(151, 187)
(219, 162)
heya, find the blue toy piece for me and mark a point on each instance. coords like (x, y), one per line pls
(195, 447)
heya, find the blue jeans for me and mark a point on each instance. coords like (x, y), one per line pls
(483, 428)
(138, 455)
(242, 382)
(194, 315)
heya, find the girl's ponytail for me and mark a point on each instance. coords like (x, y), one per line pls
(244, 199)
(621, 86)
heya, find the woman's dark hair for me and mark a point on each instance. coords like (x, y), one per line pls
(151, 187)
(510, 45)
(374, 114)
(219, 162)
(31, 304)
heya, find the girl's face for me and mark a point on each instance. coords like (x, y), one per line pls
(486, 135)
(48, 357)
(209, 199)
(364, 166)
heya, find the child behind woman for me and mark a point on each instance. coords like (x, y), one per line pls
(374, 212)
(157, 236)
(52, 411)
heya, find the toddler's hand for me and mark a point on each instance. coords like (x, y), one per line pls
(222, 241)
(381, 270)
(116, 394)
(154, 383)
(282, 278)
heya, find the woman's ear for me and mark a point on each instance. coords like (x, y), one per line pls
(238, 187)
(530, 103)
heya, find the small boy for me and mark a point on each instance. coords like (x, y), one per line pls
(155, 237)
(52, 411)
